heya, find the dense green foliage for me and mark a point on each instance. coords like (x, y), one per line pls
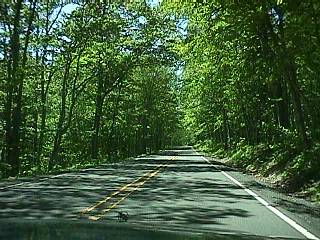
(119, 78)
(251, 81)
(76, 88)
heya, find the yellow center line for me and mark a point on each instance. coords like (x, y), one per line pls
(89, 209)
(122, 189)
(105, 211)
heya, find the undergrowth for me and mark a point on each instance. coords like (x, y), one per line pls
(287, 167)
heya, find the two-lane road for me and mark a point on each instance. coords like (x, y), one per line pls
(178, 190)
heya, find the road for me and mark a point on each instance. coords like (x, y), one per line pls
(178, 190)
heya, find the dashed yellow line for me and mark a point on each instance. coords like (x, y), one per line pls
(135, 183)
(89, 209)
(105, 211)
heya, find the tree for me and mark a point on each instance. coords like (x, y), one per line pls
(243, 71)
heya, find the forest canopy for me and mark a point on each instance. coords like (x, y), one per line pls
(85, 85)
(120, 78)
(251, 83)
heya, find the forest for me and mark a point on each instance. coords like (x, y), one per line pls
(87, 82)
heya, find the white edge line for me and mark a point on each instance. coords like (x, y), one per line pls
(285, 218)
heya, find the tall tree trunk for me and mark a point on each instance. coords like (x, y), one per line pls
(226, 128)
(43, 115)
(144, 133)
(12, 130)
(66, 113)
(282, 105)
(291, 76)
(62, 116)
(15, 88)
(45, 84)
(114, 115)
(97, 119)
(35, 134)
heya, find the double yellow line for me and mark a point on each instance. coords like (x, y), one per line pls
(136, 184)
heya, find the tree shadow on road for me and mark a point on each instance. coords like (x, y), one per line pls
(52, 229)
(186, 192)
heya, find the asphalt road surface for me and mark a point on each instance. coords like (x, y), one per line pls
(177, 190)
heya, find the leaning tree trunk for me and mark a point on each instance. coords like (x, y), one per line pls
(62, 116)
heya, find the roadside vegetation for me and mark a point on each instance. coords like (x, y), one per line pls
(83, 83)
(289, 170)
(251, 86)
(88, 82)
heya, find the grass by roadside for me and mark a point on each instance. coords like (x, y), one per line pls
(285, 167)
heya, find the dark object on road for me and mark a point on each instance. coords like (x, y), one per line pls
(123, 216)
